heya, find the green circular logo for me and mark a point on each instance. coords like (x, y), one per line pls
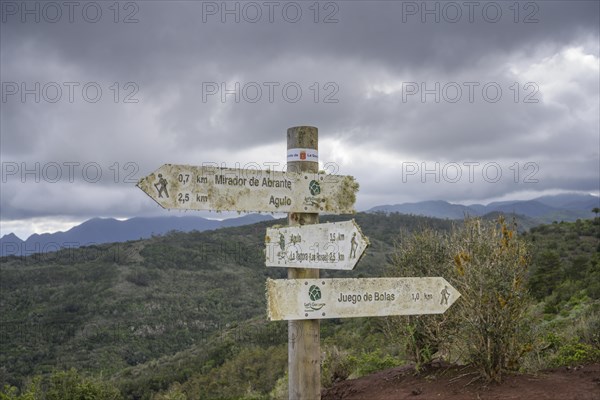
(314, 293)
(314, 187)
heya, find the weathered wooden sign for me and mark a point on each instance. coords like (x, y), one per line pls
(298, 299)
(334, 245)
(227, 189)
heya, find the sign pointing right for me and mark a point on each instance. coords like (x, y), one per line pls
(333, 245)
(292, 299)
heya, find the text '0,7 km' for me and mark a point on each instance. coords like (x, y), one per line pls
(226, 189)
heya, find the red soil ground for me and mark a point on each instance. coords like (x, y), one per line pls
(457, 383)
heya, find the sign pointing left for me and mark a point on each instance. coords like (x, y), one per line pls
(189, 187)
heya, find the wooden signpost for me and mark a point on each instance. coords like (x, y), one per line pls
(304, 247)
(191, 187)
(334, 245)
(298, 299)
(304, 337)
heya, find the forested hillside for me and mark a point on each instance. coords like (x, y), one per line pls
(184, 313)
(567, 257)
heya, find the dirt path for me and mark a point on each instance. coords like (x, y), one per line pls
(453, 383)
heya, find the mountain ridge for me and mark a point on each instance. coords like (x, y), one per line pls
(110, 230)
(544, 209)
(563, 207)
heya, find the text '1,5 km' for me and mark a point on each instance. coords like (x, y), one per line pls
(226, 189)
(334, 245)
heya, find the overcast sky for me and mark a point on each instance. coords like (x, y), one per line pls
(459, 101)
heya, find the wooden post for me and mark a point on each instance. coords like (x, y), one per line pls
(304, 354)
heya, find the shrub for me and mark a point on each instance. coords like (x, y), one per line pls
(337, 366)
(424, 253)
(367, 363)
(576, 353)
(487, 263)
(491, 271)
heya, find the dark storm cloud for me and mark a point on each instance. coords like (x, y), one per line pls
(355, 74)
(371, 30)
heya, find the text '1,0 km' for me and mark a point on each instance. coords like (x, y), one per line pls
(334, 245)
(226, 189)
(293, 299)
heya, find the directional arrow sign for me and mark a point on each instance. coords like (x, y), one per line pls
(227, 189)
(335, 245)
(293, 299)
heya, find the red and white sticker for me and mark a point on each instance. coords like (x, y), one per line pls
(303, 155)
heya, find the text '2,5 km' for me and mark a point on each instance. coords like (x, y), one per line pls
(226, 189)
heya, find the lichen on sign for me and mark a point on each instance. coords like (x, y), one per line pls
(225, 189)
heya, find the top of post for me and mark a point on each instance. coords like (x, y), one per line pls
(303, 156)
(303, 136)
(304, 140)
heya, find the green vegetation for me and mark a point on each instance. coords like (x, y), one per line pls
(182, 316)
(487, 263)
(490, 262)
(566, 262)
(63, 385)
(422, 253)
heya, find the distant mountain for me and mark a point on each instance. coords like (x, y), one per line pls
(436, 209)
(10, 241)
(573, 202)
(531, 208)
(545, 209)
(109, 230)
